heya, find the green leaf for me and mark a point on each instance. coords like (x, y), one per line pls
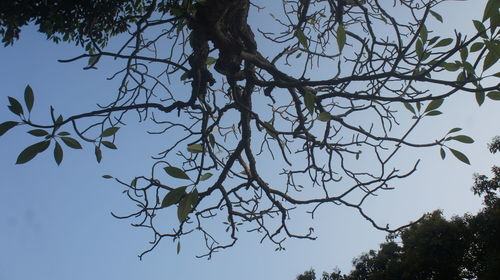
(480, 28)
(109, 131)
(493, 47)
(270, 130)
(480, 97)
(444, 42)
(98, 154)
(38, 132)
(324, 116)
(63, 133)
(453, 130)
(108, 145)
(463, 138)
(205, 176)
(176, 172)
(93, 60)
(434, 113)
(419, 48)
(15, 107)
(434, 105)
(489, 10)
(211, 60)
(194, 198)
(409, 107)
(178, 247)
(477, 46)
(29, 98)
(107, 176)
(58, 153)
(309, 102)
(464, 53)
(71, 142)
(341, 37)
(6, 126)
(301, 37)
(31, 152)
(460, 156)
(490, 60)
(443, 153)
(494, 95)
(173, 197)
(185, 75)
(451, 66)
(436, 15)
(195, 148)
(423, 33)
(185, 206)
(211, 140)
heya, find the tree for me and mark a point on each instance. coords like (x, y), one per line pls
(464, 247)
(198, 70)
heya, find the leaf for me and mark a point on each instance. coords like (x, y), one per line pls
(434, 105)
(107, 176)
(309, 102)
(477, 46)
(211, 140)
(453, 130)
(31, 152)
(443, 153)
(452, 67)
(63, 133)
(93, 60)
(436, 15)
(302, 38)
(409, 107)
(489, 10)
(195, 198)
(443, 43)
(71, 142)
(460, 156)
(173, 197)
(341, 37)
(324, 116)
(270, 129)
(419, 48)
(15, 107)
(423, 33)
(205, 176)
(463, 138)
(98, 154)
(6, 126)
(490, 60)
(109, 131)
(211, 60)
(480, 97)
(480, 28)
(109, 145)
(178, 247)
(58, 153)
(184, 208)
(29, 98)
(464, 53)
(176, 172)
(434, 113)
(494, 95)
(185, 75)
(38, 132)
(195, 148)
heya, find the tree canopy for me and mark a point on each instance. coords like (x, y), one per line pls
(267, 114)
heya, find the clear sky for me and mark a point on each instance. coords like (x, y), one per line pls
(55, 221)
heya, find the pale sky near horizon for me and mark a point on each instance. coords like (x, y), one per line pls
(55, 222)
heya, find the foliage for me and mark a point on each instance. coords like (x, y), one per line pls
(464, 247)
(218, 82)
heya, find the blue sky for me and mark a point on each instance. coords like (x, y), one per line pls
(56, 221)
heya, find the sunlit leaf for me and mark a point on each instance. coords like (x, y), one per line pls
(176, 172)
(195, 148)
(205, 176)
(211, 60)
(302, 38)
